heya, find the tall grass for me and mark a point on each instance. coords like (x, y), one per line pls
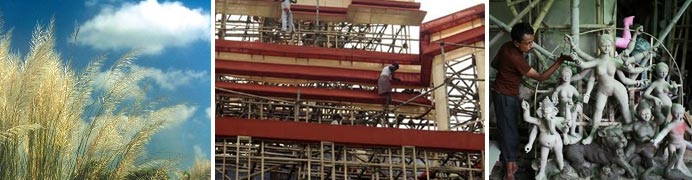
(54, 124)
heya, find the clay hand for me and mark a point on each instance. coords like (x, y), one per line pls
(639, 30)
(653, 52)
(568, 39)
(586, 98)
(654, 143)
(527, 148)
(641, 83)
(524, 105)
(630, 67)
(649, 68)
(575, 57)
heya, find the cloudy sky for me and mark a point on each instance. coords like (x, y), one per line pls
(172, 37)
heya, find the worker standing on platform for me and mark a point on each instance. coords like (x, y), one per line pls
(287, 16)
(384, 84)
(511, 68)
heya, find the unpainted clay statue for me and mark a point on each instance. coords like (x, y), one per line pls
(661, 88)
(549, 137)
(643, 131)
(675, 130)
(608, 149)
(563, 94)
(605, 67)
(629, 59)
(624, 57)
(567, 94)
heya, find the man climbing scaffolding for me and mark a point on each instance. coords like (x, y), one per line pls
(384, 85)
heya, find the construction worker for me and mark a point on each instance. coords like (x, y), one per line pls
(287, 16)
(384, 84)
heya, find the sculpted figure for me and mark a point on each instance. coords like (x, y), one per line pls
(675, 131)
(661, 88)
(549, 137)
(605, 67)
(621, 42)
(608, 149)
(642, 131)
(567, 94)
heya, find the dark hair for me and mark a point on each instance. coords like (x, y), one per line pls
(396, 66)
(518, 31)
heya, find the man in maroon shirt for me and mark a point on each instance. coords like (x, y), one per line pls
(511, 68)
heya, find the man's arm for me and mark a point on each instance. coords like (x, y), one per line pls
(533, 74)
(393, 77)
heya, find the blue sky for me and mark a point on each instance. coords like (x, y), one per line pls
(172, 36)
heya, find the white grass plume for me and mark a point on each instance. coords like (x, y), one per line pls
(55, 125)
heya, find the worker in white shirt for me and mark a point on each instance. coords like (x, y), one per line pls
(384, 85)
(287, 16)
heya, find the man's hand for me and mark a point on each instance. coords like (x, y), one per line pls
(566, 57)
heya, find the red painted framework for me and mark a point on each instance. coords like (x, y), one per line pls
(356, 135)
(352, 135)
(315, 72)
(341, 95)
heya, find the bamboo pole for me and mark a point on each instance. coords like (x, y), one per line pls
(515, 20)
(677, 16)
(575, 21)
(507, 29)
(511, 7)
(544, 11)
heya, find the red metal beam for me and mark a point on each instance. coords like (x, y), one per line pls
(355, 135)
(323, 9)
(310, 73)
(342, 95)
(454, 19)
(314, 52)
(429, 50)
(467, 37)
(333, 14)
(392, 4)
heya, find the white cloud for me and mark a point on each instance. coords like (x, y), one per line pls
(171, 79)
(179, 114)
(209, 113)
(149, 26)
(167, 80)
